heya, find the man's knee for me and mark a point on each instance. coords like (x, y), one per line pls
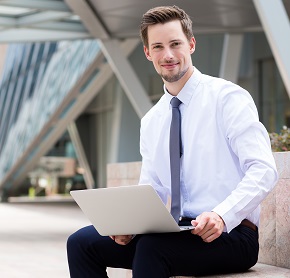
(78, 239)
(72, 241)
(150, 258)
(148, 245)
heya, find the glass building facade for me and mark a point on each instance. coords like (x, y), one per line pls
(36, 79)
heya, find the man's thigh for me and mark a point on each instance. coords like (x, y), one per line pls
(183, 253)
(186, 254)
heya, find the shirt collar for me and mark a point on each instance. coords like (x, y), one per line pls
(188, 89)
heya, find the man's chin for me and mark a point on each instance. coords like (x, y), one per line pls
(173, 77)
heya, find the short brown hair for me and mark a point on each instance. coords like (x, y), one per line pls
(162, 15)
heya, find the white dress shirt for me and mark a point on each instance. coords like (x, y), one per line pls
(227, 165)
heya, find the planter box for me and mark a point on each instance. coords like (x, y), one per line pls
(275, 218)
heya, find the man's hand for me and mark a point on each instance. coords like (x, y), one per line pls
(122, 240)
(208, 225)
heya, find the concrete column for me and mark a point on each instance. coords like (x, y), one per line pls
(231, 55)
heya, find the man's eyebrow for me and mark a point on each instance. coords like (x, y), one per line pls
(171, 41)
(175, 40)
(155, 43)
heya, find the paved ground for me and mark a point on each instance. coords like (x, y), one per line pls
(33, 242)
(33, 238)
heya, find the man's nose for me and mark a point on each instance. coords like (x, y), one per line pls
(168, 54)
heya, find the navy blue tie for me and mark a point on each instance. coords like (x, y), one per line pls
(175, 154)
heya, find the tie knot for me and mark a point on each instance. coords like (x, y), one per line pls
(175, 102)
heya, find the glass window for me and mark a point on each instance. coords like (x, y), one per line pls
(273, 103)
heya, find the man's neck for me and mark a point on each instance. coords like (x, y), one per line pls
(174, 88)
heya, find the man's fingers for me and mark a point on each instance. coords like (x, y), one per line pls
(200, 227)
(215, 233)
(208, 226)
(123, 240)
(208, 235)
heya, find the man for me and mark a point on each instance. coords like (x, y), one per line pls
(226, 169)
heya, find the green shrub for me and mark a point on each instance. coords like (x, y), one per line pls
(280, 142)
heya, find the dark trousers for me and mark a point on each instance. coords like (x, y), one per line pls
(162, 255)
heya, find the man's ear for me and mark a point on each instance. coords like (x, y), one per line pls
(147, 53)
(192, 44)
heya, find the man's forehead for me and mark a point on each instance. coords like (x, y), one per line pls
(169, 24)
(165, 32)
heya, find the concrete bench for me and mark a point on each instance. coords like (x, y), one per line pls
(274, 225)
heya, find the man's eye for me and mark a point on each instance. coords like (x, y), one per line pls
(176, 44)
(156, 46)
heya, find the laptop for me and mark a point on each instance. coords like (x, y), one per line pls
(126, 210)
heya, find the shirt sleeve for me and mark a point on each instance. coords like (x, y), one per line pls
(148, 174)
(249, 142)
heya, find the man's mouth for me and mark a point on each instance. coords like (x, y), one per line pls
(169, 65)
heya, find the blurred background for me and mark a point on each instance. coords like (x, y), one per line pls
(74, 84)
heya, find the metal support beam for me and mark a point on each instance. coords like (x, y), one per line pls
(31, 35)
(231, 56)
(61, 26)
(40, 17)
(88, 17)
(276, 26)
(126, 76)
(7, 22)
(77, 143)
(36, 4)
(111, 49)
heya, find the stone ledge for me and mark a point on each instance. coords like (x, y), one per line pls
(259, 270)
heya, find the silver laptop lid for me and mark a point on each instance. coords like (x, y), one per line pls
(125, 210)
